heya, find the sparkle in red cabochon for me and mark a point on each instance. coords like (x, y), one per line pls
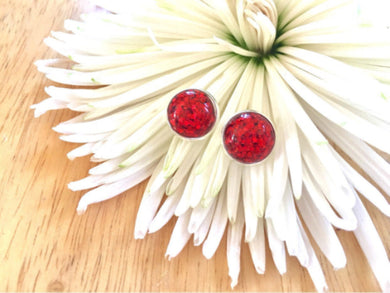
(249, 137)
(192, 113)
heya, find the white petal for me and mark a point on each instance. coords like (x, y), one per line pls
(234, 239)
(365, 188)
(329, 177)
(348, 223)
(322, 232)
(108, 166)
(146, 211)
(154, 147)
(182, 172)
(277, 248)
(283, 221)
(217, 177)
(314, 267)
(83, 138)
(327, 109)
(108, 191)
(371, 162)
(199, 215)
(159, 84)
(166, 211)
(218, 226)
(155, 181)
(233, 190)
(257, 188)
(372, 246)
(279, 177)
(201, 232)
(194, 189)
(47, 105)
(249, 207)
(84, 150)
(180, 236)
(225, 15)
(257, 248)
(178, 151)
(286, 128)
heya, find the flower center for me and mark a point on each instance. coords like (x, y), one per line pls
(262, 18)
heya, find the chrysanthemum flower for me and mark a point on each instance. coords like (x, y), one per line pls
(308, 65)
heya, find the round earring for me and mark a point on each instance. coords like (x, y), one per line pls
(192, 113)
(249, 137)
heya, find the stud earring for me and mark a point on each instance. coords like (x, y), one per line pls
(248, 137)
(192, 113)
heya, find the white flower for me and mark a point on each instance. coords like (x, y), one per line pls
(309, 65)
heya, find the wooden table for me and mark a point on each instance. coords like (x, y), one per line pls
(46, 246)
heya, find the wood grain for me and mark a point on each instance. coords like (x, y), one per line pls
(45, 246)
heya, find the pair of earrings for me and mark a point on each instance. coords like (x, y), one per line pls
(248, 137)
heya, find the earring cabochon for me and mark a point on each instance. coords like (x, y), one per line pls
(192, 113)
(248, 137)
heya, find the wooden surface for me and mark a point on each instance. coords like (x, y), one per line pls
(46, 246)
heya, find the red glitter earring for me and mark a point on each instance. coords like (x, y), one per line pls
(249, 137)
(192, 113)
